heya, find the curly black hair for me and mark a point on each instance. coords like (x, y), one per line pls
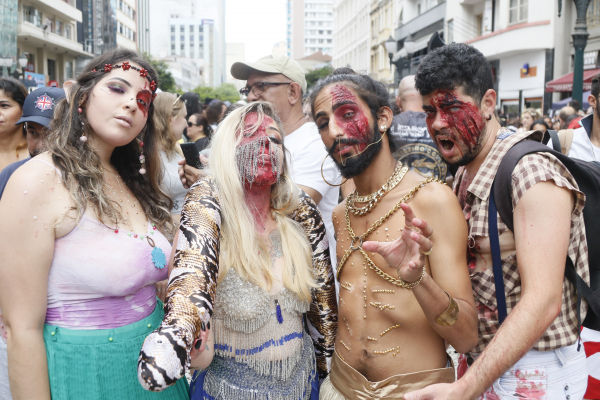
(371, 91)
(455, 65)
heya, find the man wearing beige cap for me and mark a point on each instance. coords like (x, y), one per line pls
(281, 81)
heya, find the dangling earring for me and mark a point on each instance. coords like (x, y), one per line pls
(142, 158)
(382, 128)
(83, 138)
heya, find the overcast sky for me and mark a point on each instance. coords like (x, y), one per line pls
(259, 24)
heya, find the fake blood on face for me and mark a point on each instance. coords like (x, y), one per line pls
(349, 117)
(264, 175)
(144, 98)
(464, 117)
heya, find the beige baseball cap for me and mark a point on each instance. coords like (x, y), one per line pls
(275, 65)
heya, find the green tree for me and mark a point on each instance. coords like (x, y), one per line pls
(165, 79)
(313, 76)
(225, 92)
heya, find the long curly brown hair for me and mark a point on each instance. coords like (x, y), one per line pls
(80, 166)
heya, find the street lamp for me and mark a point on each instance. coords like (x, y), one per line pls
(390, 47)
(580, 37)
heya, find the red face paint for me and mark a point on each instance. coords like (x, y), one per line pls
(464, 117)
(144, 98)
(265, 173)
(349, 116)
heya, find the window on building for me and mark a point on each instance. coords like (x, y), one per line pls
(200, 29)
(59, 28)
(181, 28)
(517, 11)
(201, 38)
(182, 46)
(32, 15)
(68, 32)
(172, 38)
(419, 9)
(69, 70)
(329, 41)
(172, 28)
(451, 31)
(191, 38)
(173, 47)
(479, 26)
(320, 32)
(182, 38)
(191, 28)
(593, 14)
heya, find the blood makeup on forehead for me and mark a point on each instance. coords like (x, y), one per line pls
(249, 122)
(466, 120)
(144, 98)
(349, 116)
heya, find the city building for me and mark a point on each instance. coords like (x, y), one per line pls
(311, 27)
(188, 73)
(46, 33)
(383, 18)
(189, 30)
(352, 34)
(525, 41)
(417, 21)
(314, 61)
(236, 52)
(107, 24)
(143, 25)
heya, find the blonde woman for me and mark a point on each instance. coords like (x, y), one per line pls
(83, 242)
(527, 118)
(169, 120)
(252, 257)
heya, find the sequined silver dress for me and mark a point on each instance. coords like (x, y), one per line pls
(260, 352)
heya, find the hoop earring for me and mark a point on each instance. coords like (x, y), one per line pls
(323, 176)
(291, 195)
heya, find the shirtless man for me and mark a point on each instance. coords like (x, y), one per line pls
(389, 341)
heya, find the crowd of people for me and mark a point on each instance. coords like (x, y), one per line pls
(303, 243)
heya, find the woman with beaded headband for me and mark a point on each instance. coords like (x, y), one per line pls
(251, 258)
(83, 241)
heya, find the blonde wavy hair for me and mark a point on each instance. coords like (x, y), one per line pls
(167, 106)
(242, 247)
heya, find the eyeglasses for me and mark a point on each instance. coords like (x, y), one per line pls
(190, 124)
(260, 87)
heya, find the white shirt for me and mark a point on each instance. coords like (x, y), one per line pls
(171, 182)
(307, 152)
(582, 147)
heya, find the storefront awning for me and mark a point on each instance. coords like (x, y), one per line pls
(565, 82)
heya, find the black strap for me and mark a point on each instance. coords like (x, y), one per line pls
(496, 258)
(555, 140)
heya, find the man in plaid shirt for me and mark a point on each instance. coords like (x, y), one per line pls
(534, 354)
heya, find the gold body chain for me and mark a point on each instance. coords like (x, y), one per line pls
(372, 199)
(357, 241)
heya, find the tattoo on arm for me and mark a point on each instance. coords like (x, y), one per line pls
(275, 247)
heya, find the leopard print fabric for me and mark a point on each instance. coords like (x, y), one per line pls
(165, 354)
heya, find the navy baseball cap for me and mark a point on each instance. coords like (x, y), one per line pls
(40, 104)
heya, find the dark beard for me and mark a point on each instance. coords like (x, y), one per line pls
(357, 164)
(471, 154)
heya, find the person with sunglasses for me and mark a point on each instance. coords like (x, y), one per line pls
(281, 81)
(199, 131)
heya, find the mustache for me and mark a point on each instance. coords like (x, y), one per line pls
(338, 143)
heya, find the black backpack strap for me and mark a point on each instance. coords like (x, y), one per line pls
(496, 258)
(552, 135)
(502, 193)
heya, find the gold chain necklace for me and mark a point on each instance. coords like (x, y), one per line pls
(357, 241)
(372, 199)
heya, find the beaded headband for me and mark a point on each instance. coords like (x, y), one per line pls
(143, 73)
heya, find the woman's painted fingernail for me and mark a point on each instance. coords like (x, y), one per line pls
(202, 326)
(208, 324)
(198, 344)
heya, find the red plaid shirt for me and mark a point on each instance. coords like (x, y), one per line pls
(530, 170)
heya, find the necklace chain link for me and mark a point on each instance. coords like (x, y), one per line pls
(374, 198)
(360, 239)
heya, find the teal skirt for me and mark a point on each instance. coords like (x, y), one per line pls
(102, 364)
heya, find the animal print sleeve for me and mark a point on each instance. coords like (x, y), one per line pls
(322, 316)
(165, 354)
